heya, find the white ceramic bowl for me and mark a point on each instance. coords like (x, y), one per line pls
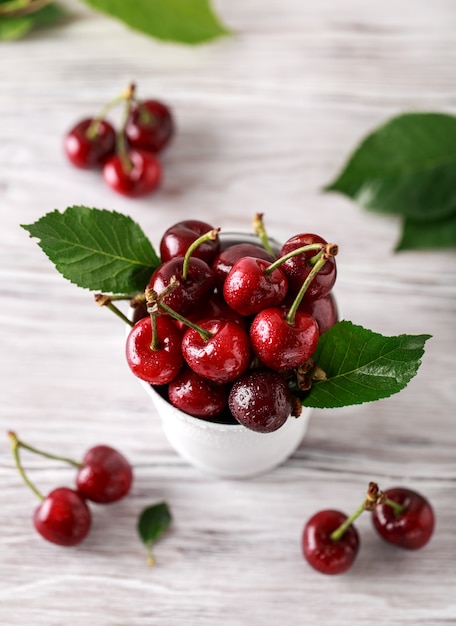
(228, 450)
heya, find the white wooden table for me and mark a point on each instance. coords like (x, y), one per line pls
(265, 119)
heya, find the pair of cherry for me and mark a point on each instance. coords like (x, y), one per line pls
(227, 324)
(401, 516)
(128, 156)
(63, 517)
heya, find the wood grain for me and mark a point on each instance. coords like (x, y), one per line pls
(265, 119)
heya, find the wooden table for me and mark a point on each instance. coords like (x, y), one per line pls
(265, 118)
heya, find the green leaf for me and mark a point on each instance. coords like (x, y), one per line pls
(152, 522)
(407, 166)
(12, 28)
(362, 366)
(96, 249)
(182, 21)
(434, 234)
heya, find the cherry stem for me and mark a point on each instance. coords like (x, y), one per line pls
(308, 248)
(126, 95)
(369, 501)
(211, 235)
(15, 445)
(103, 300)
(398, 509)
(150, 556)
(260, 231)
(55, 457)
(155, 342)
(121, 140)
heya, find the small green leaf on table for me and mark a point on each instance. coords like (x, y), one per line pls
(362, 366)
(181, 21)
(152, 523)
(96, 249)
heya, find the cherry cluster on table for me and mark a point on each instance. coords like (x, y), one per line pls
(215, 335)
(128, 157)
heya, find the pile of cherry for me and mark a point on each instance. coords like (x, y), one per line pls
(224, 326)
(127, 156)
(63, 516)
(401, 516)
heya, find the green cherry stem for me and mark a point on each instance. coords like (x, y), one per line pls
(15, 445)
(103, 300)
(211, 235)
(260, 231)
(291, 315)
(369, 501)
(318, 247)
(126, 95)
(18, 443)
(121, 140)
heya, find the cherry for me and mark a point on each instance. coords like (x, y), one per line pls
(197, 396)
(322, 551)
(298, 267)
(90, 143)
(134, 173)
(154, 355)
(260, 400)
(150, 126)
(177, 239)
(251, 287)
(215, 307)
(105, 475)
(221, 352)
(225, 260)
(282, 344)
(405, 519)
(324, 311)
(63, 517)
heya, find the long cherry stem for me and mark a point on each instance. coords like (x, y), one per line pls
(211, 235)
(15, 445)
(55, 457)
(126, 95)
(103, 300)
(308, 248)
(260, 231)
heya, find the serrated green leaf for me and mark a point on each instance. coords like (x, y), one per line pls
(152, 522)
(434, 234)
(96, 249)
(182, 21)
(363, 366)
(407, 166)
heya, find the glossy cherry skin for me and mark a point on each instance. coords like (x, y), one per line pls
(197, 396)
(177, 239)
(150, 126)
(87, 151)
(411, 529)
(191, 291)
(324, 311)
(63, 517)
(105, 476)
(299, 267)
(215, 307)
(320, 551)
(223, 357)
(280, 345)
(157, 367)
(225, 260)
(248, 288)
(260, 400)
(141, 178)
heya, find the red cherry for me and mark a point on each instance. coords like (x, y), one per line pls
(191, 291)
(142, 176)
(105, 475)
(299, 267)
(225, 260)
(156, 366)
(249, 287)
(87, 150)
(410, 529)
(279, 344)
(221, 358)
(177, 239)
(324, 311)
(150, 126)
(214, 308)
(323, 553)
(260, 400)
(63, 517)
(197, 396)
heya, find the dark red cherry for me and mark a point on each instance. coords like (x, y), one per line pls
(279, 344)
(63, 517)
(197, 396)
(249, 287)
(137, 175)
(150, 126)
(225, 260)
(323, 553)
(177, 239)
(214, 308)
(299, 267)
(90, 149)
(224, 356)
(324, 311)
(413, 527)
(260, 400)
(191, 291)
(105, 476)
(156, 366)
